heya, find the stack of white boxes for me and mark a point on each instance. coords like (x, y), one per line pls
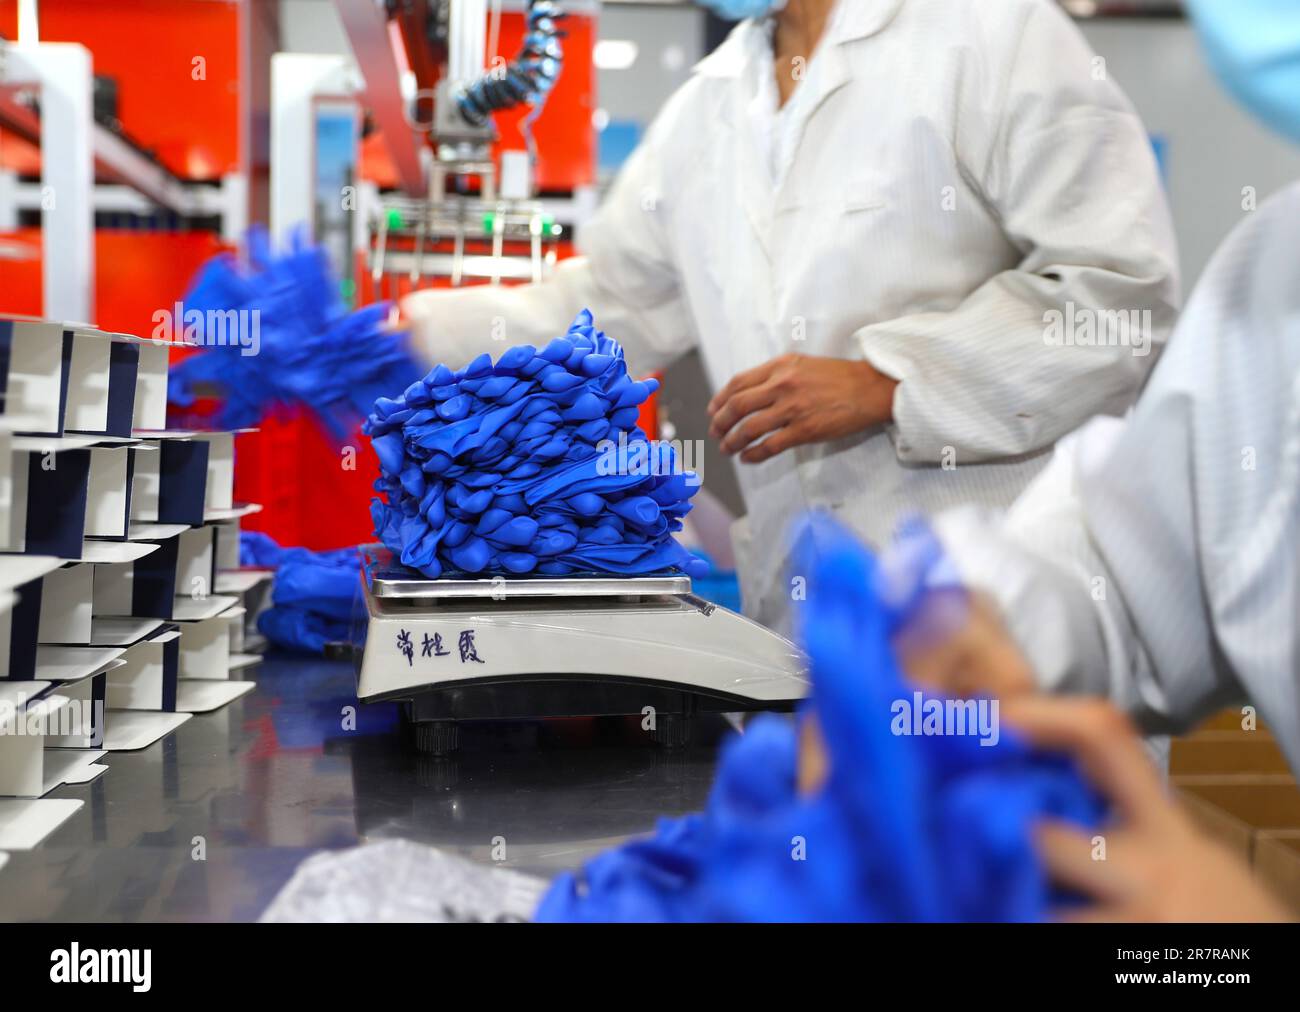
(122, 604)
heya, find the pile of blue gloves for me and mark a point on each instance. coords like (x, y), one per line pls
(297, 342)
(905, 828)
(311, 598)
(532, 464)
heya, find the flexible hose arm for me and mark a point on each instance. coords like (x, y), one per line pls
(529, 77)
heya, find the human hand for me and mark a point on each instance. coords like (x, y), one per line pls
(954, 643)
(794, 400)
(957, 643)
(1152, 864)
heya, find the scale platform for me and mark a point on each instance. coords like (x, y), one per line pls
(508, 648)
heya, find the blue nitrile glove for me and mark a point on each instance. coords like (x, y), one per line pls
(301, 631)
(298, 342)
(531, 464)
(905, 827)
(312, 596)
(259, 549)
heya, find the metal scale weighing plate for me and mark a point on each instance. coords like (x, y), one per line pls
(511, 648)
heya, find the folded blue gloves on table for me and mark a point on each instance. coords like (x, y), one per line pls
(906, 827)
(303, 347)
(531, 464)
(311, 598)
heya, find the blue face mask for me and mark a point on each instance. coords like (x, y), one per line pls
(738, 10)
(1254, 47)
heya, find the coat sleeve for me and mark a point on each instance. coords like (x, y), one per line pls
(1157, 560)
(626, 275)
(1055, 590)
(1070, 174)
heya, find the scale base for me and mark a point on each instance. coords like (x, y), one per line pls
(468, 649)
(666, 712)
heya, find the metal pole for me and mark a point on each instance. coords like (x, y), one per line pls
(29, 22)
(64, 72)
(468, 31)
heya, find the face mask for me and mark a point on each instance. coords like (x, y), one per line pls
(738, 10)
(1254, 47)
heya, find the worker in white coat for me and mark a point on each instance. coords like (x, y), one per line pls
(879, 221)
(1156, 560)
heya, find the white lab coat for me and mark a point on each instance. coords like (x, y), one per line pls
(1157, 560)
(964, 167)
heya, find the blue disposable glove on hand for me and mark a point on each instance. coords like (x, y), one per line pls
(904, 827)
(298, 343)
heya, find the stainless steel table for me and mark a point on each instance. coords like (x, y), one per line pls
(209, 823)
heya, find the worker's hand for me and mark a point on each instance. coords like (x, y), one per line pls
(956, 643)
(797, 399)
(814, 760)
(1152, 864)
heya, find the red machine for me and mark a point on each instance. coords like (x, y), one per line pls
(190, 124)
(196, 110)
(427, 178)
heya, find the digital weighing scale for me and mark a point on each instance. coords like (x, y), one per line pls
(513, 648)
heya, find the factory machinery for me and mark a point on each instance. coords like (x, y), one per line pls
(451, 232)
(450, 183)
(465, 648)
(452, 144)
